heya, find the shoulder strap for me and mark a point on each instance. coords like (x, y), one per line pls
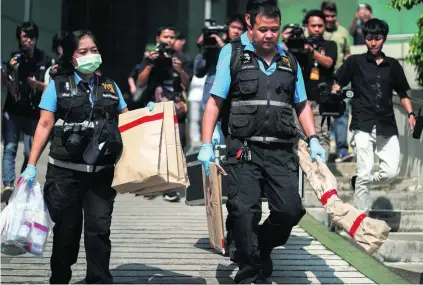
(237, 49)
(294, 64)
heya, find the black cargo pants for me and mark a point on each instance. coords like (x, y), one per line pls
(273, 171)
(69, 194)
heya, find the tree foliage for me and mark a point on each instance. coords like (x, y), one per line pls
(415, 56)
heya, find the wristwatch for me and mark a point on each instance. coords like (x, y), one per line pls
(412, 113)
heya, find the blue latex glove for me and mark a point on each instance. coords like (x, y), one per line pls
(216, 136)
(29, 174)
(317, 149)
(206, 156)
(150, 106)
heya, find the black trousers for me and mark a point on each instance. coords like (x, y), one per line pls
(273, 172)
(73, 197)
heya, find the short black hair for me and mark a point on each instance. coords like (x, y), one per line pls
(269, 11)
(329, 6)
(29, 28)
(58, 40)
(376, 27)
(236, 18)
(168, 27)
(314, 13)
(253, 4)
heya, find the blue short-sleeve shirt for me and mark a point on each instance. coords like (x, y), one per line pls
(49, 99)
(222, 81)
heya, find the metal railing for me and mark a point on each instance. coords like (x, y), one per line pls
(399, 37)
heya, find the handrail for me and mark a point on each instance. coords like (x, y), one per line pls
(398, 37)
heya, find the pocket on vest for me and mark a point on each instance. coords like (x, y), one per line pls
(285, 122)
(248, 83)
(241, 120)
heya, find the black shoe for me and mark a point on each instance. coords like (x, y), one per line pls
(6, 193)
(353, 179)
(172, 197)
(266, 267)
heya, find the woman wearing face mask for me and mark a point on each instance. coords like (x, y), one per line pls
(74, 106)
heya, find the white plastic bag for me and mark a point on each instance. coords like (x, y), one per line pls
(27, 222)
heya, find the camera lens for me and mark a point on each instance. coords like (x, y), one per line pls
(73, 143)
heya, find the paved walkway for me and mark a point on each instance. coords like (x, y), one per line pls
(160, 242)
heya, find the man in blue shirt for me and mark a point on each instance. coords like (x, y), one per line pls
(257, 95)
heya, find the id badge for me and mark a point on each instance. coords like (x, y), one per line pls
(314, 75)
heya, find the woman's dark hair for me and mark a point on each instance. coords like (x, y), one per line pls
(70, 45)
(57, 40)
(376, 27)
(29, 28)
(314, 13)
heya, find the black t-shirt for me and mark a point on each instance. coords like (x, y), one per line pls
(27, 105)
(373, 87)
(327, 48)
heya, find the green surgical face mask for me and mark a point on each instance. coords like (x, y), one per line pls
(88, 63)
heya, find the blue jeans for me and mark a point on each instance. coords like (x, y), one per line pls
(340, 129)
(12, 126)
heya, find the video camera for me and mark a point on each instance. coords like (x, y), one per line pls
(212, 29)
(25, 66)
(419, 125)
(164, 60)
(297, 39)
(164, 49)
(333, 104)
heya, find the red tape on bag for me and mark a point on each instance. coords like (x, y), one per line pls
(325, 197)
(144, 120)
(356, 224)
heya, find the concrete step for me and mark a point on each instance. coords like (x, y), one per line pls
(410, 271)
(402, 247)
(402, 253)
(347, 168)
(399, 184)
(400, 195)
(343, 169)
(398, 220)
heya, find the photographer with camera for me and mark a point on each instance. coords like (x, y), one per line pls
(57, 48)
(25, 84)
(374, 77)
(210, 44)
(166, 78)
(317, 58)
(363, 14)
(337, 33)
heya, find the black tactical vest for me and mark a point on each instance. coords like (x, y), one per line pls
(75, 109)
(260, 106)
